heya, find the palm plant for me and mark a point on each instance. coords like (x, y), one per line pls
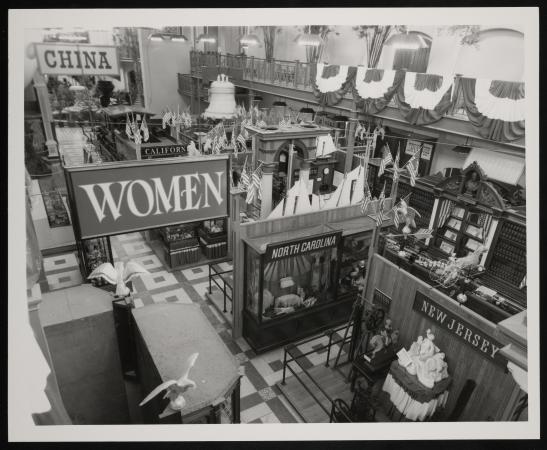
(375, 37)
(314, 53)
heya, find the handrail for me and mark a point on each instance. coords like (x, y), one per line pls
(225, 285)
(293, 358)
(284, 73)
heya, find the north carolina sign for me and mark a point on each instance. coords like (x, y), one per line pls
(76, 59)
(117, 198)
(302, 246)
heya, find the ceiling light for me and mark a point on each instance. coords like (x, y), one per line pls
(410, 41)
(205, 38)
(179, 38)
(250, 40)
(309, 39)
(156, 37)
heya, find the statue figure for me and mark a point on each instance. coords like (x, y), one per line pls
(471, 185)
(427, 361)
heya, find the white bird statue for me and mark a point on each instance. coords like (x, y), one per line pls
(175, 389)
(118, 275)
(408, 214)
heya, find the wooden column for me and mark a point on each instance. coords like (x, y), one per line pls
(47, 116)
(238, 270)
(350, 145)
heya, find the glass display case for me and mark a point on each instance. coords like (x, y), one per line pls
(291, 287)
(355, 252)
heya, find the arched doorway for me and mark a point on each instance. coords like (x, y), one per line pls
(280, 177)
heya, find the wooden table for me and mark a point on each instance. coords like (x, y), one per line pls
(166, 335)
(411, 398)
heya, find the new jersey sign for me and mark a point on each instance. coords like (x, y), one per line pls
(117, 198)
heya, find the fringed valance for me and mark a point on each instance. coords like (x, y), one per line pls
(424, 98)
(330, 83)
(496, 109)
(374, 88)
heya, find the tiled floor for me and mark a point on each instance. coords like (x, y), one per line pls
(261, 400)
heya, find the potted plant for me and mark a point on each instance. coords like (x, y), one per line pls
(105, 89)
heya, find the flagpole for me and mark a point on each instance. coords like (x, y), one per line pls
(395, 179)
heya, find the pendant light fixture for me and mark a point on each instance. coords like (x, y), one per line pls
(249, 39)
(309, 39)
(160, 37)
(306, 114)
(206, 37)
(406, 40)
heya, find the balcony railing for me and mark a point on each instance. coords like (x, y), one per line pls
(287, 74)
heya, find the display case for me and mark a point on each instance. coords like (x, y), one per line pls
(463, 230)
(194, 242)
(355, 253)
(291, 284)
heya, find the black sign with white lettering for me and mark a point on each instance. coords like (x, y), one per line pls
(473, 337)
(163, 151)
(301, 247)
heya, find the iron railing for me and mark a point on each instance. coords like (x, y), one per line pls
(290, 74)
(289, 356)
(226, 286)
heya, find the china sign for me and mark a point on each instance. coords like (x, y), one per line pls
(307, 245)
(75, 59)
(118, 198)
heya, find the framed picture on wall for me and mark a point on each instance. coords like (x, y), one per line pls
(458, 212)
(447, 247)
(454, 223)
(450, 235)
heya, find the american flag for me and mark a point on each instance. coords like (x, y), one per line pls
(380, 208)
(128, 128)
(396, 221)
(423, 233)
(245, 133)
(256, 176)
(446, 209)
(412, 167)
(242, 141)
(366, 200)
(244, 180)
(386, 159)
(396, 167)
(261, 124)
(144, 129)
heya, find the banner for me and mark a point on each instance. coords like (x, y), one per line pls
(125, 197)
(303, 246)
(459, 328)
(75, 59)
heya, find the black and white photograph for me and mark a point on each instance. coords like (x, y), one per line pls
(242, 217)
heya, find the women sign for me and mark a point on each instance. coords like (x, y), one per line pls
(118, 198)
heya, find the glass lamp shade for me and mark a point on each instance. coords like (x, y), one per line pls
(411, 41)
(155, 37)
(306, 114)
(207, 38)
(249, 40)
(309, 39)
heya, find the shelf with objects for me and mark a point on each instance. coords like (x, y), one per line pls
(477, 251)
(189, 244)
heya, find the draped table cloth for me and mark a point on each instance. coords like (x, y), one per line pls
(411, 398)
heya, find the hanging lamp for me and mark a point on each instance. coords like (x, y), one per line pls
(249, 39)
(307, 114)
(406, 40)
(309, 39)
(463, 149)
(157, 37)
(206, 37)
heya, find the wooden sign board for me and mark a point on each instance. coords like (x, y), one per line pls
(77, 59)
(459, 328)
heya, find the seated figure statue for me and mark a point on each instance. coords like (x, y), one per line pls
(427, 361)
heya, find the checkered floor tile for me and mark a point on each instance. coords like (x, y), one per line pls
(261, 399)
